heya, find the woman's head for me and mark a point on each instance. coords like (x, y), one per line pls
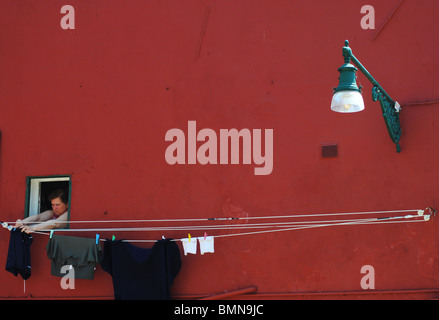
(59, 201)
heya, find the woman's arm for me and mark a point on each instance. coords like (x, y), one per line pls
(60, 222)
(43, 216)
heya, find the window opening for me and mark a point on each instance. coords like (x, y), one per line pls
(39, 189)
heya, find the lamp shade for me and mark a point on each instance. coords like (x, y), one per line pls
(347, 96)
(347, 101)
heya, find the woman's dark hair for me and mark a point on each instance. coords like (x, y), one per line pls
(60, 193)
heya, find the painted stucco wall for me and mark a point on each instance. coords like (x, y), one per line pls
(96, 102)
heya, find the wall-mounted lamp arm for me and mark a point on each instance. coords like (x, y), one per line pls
(389, 107)
(363, 70)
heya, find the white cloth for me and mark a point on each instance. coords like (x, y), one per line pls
(206, 245)
(189, 246)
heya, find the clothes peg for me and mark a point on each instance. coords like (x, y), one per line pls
(6, 226)
(51, 234)
(189, 237)
(163, 237)
(205, 235)
(97, 238)
(114, 238)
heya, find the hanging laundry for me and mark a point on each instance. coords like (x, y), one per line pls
(19, 254)
(189, 246)
(139, 273)
(206, 244)
(82, 254)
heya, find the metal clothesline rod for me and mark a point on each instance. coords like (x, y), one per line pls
(377, 221)
(231, 226)
(232, 218)
(273, 227)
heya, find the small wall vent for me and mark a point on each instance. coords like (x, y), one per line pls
(329, 151)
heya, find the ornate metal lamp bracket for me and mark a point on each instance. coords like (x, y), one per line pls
(389, 107)
(391, 116)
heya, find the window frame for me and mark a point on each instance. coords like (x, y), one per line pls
(33, 190)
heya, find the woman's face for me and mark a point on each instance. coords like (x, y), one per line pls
(58, 206)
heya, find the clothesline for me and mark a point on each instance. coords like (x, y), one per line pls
(231, 226)
(272, 227)
(239, 218)
(300, 227)
(318, 226)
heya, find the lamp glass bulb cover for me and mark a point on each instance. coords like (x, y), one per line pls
(347, 101)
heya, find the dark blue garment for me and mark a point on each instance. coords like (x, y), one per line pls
(141, 274)
(19, 255)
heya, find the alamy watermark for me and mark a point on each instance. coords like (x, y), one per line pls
(68, 281)
(368, 20)
(368, 280)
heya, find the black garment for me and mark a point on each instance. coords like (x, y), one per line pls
(19, 255)
(141, 274)
(82, 254)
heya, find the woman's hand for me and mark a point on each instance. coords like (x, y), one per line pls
(27, 229)
(18, 223)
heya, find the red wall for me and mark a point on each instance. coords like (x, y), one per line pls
(96, 102)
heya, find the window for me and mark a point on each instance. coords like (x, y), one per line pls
(39, 189)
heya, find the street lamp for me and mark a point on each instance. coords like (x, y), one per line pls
(347, 96)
